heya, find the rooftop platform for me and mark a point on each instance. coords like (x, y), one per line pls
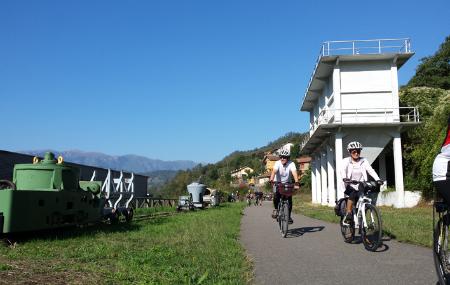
(401, 118)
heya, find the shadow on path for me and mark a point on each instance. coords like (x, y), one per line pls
(297, 232)
(382, 248)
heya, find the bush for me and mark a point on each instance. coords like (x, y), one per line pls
(423, 143)
(305, 181)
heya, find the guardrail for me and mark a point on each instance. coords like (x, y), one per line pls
(376, 46)
(146, 202)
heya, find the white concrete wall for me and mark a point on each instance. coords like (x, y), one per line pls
(368, 85)
(330, 94)
(322, 100)
(373, 139)
(368, 76)
(336, 87)
(390, 199)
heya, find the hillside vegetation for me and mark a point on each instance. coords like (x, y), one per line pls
(429, 90)
(218, 175)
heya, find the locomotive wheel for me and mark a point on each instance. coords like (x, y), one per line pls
(129, 215)
(114, 218)
(6, 184)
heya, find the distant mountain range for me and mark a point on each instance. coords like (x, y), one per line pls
(130, 162)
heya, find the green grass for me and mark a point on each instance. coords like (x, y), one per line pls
(198, 247)
(411, 225)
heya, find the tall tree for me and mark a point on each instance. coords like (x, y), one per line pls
(434, 71)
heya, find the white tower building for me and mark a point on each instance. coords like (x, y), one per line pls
(353, 96)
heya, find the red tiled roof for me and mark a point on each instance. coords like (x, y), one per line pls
(304, 159)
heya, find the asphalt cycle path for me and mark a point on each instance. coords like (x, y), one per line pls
(314, 252)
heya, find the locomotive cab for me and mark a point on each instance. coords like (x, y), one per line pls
(48, 174)
(48, 194)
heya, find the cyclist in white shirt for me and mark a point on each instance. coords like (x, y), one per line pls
(441, 168)
(283, 171)
(355, 168)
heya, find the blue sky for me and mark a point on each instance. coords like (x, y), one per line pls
(178, 79)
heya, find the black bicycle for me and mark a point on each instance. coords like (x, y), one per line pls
(286, 190)
(441, 251)
(366, 218)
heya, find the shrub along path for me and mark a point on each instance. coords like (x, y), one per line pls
(315, 253)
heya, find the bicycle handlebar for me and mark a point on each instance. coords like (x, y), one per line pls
(346, 180)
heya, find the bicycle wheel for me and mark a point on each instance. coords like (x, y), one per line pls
(347, 231)
(372, 232)
(441, 250)
(279, 214)
(284, 219)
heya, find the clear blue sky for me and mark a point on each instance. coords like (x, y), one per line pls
(178, 79)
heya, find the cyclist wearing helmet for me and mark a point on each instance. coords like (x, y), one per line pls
(249, 197)
(441, 168)
(356, 168)
(283, 171)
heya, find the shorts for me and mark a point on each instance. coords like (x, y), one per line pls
(353, 194)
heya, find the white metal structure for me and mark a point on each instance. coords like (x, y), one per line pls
(118, 189)
(352, 95)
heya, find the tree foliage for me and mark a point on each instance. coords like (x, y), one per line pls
(218, 175)
(434, 71)
(423, 143)
(428, 90)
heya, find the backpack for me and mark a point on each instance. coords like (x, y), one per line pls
(340, 207)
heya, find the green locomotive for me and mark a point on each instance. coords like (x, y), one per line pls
(48, 194)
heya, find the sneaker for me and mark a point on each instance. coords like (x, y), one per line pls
(274, 214)
(291, 221)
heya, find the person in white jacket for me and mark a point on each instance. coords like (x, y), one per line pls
(284, 171)
(355, 168)
(441, 168)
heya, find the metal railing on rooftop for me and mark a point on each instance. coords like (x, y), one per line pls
(356, 47)
(363, 116)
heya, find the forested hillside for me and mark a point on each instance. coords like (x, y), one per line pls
(429, 90)
(218, 175)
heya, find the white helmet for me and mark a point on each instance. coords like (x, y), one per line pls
(354, 145)
(285, 151)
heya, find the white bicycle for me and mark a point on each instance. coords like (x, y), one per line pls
(366, 218)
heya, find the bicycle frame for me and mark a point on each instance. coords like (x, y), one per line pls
(361, 213)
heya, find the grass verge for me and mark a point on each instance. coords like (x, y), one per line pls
(412, 225)
(200, 247)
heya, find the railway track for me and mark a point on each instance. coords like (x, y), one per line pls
(154, 216)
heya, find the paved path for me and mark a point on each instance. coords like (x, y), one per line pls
(315, 253)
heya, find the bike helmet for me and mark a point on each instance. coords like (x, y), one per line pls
(285, 152)
(354, 145)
